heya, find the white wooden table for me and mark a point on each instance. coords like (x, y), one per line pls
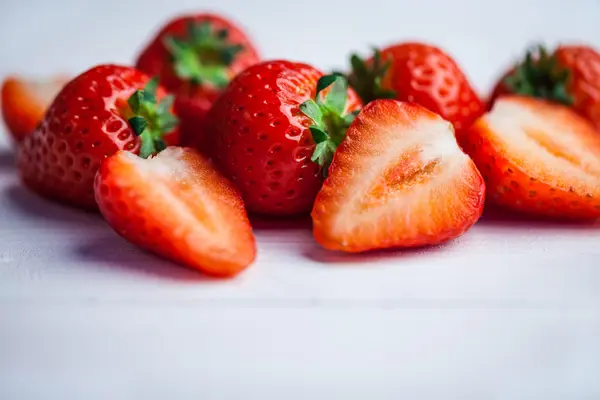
(509, 311)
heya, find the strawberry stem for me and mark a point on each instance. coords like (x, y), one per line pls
(329, 117)
(540, 75)
(204, 55)
(151, 120)
(366, 77)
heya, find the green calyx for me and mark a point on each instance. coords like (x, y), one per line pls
(366, 79)
(540, 75)
(204, 55)
(329, 117)
(151, 120)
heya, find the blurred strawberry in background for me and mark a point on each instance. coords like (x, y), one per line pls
(570, 75)
(418, 73)
(24, 102)
(195, 57)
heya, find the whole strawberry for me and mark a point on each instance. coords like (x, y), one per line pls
(274, 130)
(569, 76)
(418, 73)
(195, 57)
(101, 111)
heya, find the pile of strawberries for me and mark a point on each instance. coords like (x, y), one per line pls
(400, 152)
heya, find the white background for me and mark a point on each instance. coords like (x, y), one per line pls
(509, 311)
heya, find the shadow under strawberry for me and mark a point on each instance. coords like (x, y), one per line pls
(500, 217)
(26, 203)
(112, 252)
(318, 254)
(7, 159)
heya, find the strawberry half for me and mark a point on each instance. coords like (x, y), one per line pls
(399, 179)
(538, 157)
(24, 103)
(177, 205)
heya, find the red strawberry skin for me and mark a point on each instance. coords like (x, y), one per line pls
(426, 75)
(399, 179)
(84, 125)
(261, 140)
(192, 111)
(206, 228)
(193, 100)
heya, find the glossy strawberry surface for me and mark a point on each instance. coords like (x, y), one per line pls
(215, 51)
(261, 140)
(86, 122)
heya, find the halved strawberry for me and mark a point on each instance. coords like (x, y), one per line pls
(538, 157)
(177, 205)
(399, 179)
(24, 103)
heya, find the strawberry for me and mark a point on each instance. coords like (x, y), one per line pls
(538, 157)
(264, 129)
(399, 179)
(99, 112)
(569, 76)
(24, 103)
(195, 57)
(177, 205)
(418, 73)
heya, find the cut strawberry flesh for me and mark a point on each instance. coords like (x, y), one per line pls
(177, 205)
(398, 180)
(538, 157)
(548, 141)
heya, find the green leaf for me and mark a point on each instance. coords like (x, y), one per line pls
(540, 75)
(376, 58)
(135, 100)
(336, 98)
(560, 94)
(199, 32)
(387, 94)
(228, 54)
(367, 80)
(312, 110)
(349, 118)
(318, 134)
(359, 68)
(138, 124)
(223, 34)
(323, 155)
(320, 152)
(174, 46)
(167, 123)
(160, 145)
(187, 65)
(217, 75)
(150, 89)
(148, 147)
(325, 81)
(165, 105)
